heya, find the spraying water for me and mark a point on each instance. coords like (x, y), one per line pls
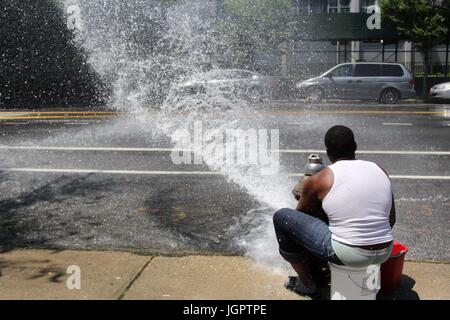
(141, 49)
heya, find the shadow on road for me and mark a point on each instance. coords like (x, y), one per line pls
(27, 220)
(201, 214)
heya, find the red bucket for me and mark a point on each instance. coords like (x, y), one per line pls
(391, 270)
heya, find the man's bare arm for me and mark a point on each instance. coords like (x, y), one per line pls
(309, 202)
(392, 215)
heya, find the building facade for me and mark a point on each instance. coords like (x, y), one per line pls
(365, 46)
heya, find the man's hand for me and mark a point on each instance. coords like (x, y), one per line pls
(297, 191)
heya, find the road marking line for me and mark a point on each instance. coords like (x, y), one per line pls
(31, 114)
(57, 112)
(191, 173)
(58, 117)
(420, 177)
(92, 149)
(292, 151)
(377, 112)
(387, 152)
(15, 123)
(398, 177)
(397, 124)
(131, 172)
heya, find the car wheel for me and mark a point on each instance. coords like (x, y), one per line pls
(314, 94)
(389, 96)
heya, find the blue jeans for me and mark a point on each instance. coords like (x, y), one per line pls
(300, 235)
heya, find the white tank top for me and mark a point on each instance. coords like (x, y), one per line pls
(359, 203)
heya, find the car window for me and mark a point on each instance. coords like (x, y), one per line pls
(343, 71)
(367, 70)
(222, 74)
(391, 70)
(238, 74)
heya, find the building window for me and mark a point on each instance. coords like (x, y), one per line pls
(310, 6)
(335, 6)
(344, 5)
(302, 6)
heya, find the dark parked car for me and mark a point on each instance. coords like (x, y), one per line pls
(385, 82)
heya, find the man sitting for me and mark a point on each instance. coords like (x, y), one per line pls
(357, 198)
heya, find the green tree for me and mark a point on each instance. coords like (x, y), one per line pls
(445, 12)
(252, 26)
(444, 9)
(418, 21)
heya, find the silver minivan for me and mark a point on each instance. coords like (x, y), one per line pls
(384, 82)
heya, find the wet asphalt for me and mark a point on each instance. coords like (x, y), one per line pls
(133, 202)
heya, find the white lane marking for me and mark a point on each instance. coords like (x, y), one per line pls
(388, 152)
(397, 124)
(89, 149)
(190, 173)
(15, 123)
(131, 172)
(420, 177)
(407, 177)
(292, 151)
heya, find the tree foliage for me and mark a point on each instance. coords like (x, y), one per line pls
(444, 10)
(423, 22)
(419, 21)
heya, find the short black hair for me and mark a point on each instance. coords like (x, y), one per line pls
(340, 142)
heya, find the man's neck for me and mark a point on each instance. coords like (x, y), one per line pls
(345, 158)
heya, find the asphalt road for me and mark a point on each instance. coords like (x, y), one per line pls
(107, 181)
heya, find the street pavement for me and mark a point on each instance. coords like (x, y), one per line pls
(106, 181)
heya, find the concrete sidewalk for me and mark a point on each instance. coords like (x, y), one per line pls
(42, 274)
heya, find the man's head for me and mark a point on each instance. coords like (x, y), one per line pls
(340, 143)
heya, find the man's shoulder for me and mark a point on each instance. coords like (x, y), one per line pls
(362, 164)
(321, 181)
(324, 173)
(376, 165)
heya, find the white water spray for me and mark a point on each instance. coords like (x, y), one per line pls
(141, 48)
